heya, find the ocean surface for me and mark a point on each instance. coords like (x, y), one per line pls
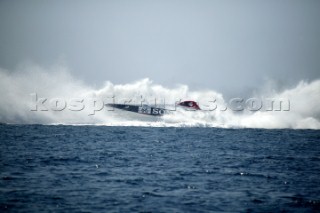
(60, 168)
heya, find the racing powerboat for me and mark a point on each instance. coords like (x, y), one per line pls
(153, 110)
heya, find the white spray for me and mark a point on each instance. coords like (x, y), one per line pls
(38, 95)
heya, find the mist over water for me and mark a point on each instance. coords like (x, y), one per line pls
(20, 90)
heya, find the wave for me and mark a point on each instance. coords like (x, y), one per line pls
(34, 94)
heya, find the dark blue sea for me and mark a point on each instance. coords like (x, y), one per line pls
(59, 168)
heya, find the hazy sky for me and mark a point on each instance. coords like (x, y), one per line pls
(227, 45)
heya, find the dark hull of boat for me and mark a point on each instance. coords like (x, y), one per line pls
(144, 109)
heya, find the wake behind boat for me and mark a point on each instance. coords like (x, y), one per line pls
(154, 111)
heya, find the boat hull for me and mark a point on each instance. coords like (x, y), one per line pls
(144, 109)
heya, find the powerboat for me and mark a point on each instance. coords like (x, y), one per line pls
(153, 110)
